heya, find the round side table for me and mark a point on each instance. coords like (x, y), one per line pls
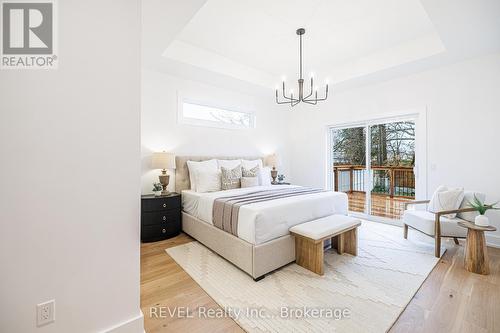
(476, 254)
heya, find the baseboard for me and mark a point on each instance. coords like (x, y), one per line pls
(133, 325)
(492, 240)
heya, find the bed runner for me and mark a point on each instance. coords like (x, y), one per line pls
(226, 209)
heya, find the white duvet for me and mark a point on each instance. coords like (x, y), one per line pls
(263, 221)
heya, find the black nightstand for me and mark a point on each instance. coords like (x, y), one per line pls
(160, 217)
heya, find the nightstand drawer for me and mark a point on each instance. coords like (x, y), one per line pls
(162, 203)
(151, 233)
(161, 217)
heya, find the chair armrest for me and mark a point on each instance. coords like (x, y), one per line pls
(453, 211)
(437, 220)
(417, 202)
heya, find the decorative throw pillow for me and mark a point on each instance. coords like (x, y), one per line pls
(265, 176)
(253, 172)
(446, 199)
(208, 181)
(249, 181)
(231, 178)
(433, 205)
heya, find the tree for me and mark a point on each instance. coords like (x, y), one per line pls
(391, 144)
(349, 146)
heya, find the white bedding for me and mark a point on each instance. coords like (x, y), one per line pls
(263, 221)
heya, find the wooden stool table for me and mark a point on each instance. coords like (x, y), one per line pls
(476, 254)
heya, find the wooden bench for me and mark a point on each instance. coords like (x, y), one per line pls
(309, 237)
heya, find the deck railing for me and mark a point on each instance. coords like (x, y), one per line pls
(393, 181)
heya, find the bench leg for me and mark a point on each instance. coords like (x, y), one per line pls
(309, 254)
(338, 243)
(346, 242)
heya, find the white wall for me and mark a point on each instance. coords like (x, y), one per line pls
(463, 122)
(161, 131)
(69, 193)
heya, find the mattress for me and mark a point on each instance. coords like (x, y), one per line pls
(261, 222)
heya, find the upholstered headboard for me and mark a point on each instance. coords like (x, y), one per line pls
(182, 172)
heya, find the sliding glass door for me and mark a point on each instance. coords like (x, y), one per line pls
(392, 148)
(374, 164)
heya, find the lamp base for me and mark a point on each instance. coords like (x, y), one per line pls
(164, 180)
(274, 174)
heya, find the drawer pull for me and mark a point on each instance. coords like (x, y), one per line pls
(164, 205)
(163, 230)
(164, 218)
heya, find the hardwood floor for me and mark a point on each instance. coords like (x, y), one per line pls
(164, 284)
(450, 300)
(454, 300)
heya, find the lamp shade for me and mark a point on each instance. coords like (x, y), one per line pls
(272, 160)
(163, 160)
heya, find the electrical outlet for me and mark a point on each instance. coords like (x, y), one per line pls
(45, 313)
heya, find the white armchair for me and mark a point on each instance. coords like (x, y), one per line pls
(436, 225)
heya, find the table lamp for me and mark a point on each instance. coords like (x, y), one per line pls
(272, 160)
(163, 161)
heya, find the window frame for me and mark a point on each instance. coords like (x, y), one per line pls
(207, 123)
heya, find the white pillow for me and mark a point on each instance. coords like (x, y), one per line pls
(208, 181)
(249, 181)
(193, 167)
(264, 176)
(250, 164)
(228, 164)
(446, 199)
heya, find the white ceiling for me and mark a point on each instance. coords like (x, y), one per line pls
(255, 41)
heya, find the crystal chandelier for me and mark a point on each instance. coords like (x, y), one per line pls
(301, 98)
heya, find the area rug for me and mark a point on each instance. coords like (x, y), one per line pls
(365, 293)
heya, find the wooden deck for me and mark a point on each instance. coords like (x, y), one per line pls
(383, 206)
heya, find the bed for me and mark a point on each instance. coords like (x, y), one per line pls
(262, 242)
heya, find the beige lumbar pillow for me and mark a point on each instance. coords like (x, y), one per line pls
(446, 199)
(231, 178)
(249, 181)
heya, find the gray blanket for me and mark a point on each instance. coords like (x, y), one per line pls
(226, 209)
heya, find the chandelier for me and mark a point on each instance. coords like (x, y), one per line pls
(301, 98)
